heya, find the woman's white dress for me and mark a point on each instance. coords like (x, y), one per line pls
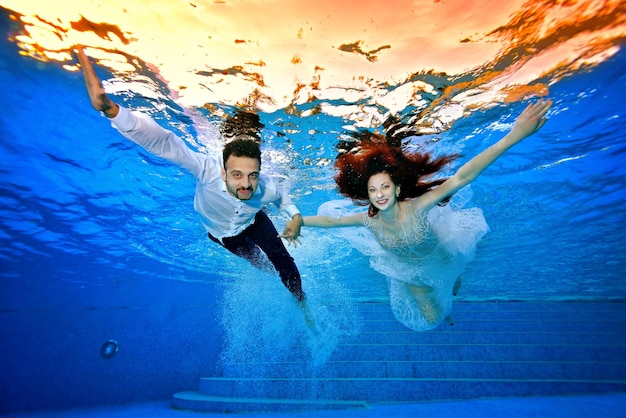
(422, 264)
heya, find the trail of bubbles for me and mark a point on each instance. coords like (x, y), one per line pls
(265, 326)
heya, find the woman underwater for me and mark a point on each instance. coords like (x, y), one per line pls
(425, 246)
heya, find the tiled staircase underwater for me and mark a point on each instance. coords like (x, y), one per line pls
(493, 350)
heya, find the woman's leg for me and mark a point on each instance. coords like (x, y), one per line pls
(426, 301)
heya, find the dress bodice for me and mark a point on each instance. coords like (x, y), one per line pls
(415, 237)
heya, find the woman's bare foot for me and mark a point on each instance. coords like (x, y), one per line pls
(457, 286)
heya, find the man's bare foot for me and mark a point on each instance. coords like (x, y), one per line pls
(449, 319)
(308, 317)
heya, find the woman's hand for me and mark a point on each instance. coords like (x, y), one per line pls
(530, 120)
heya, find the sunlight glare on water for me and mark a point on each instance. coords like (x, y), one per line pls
(281, 54)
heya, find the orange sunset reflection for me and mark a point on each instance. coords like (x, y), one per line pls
(374, 57)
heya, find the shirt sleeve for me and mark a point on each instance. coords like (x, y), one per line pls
(290, 210)
(144, 131)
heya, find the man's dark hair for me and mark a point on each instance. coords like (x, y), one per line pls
(242, 131)
(242, 148)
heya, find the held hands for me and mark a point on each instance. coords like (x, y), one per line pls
(292, 231)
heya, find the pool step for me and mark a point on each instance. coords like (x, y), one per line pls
(198, 402)
(372, 390)
(451, 369)
(493, 350)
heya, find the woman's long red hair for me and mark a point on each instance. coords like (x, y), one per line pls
(371, 153)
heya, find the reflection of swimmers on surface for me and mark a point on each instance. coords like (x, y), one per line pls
(425, 245)
(231, 193)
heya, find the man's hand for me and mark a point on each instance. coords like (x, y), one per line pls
(99, 100)
(292, 230)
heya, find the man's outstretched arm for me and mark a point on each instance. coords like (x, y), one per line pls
(99, 100)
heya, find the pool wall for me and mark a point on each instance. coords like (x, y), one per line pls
(52, 333)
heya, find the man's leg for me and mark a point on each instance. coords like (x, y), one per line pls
(262, 234)
(266, 237)
(244, 247)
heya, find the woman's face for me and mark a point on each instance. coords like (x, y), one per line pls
(382, 191)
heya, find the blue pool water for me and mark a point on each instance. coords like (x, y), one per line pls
(99, 240)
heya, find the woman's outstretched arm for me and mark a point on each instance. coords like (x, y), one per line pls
(329, 222)
(526, 124)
